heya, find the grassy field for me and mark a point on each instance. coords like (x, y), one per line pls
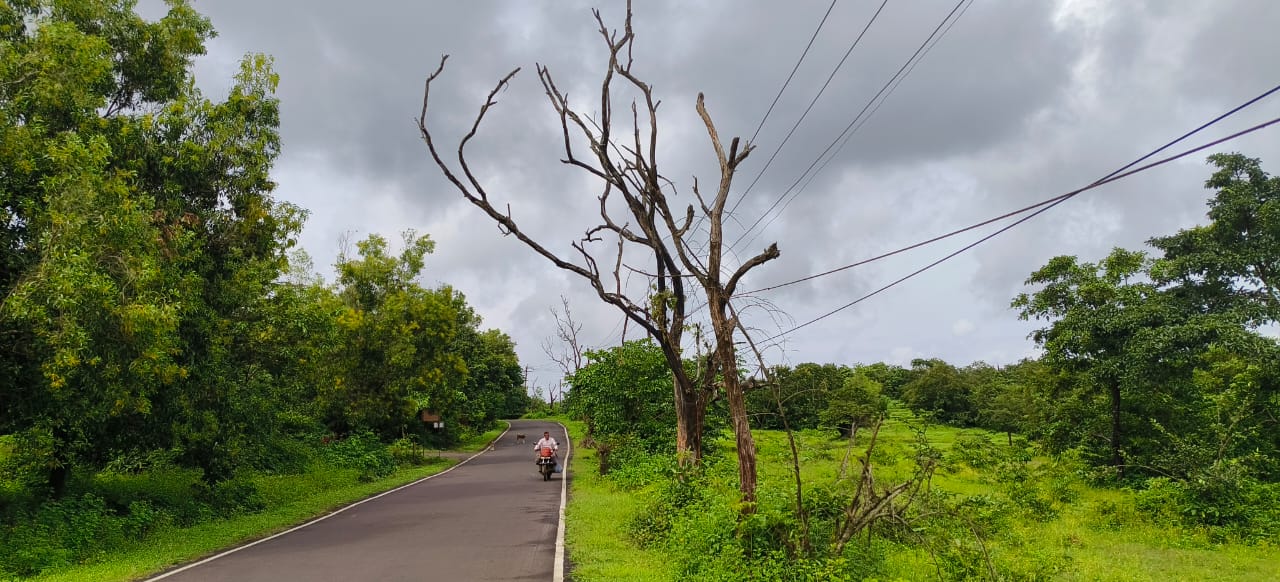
(1056, 526)
(289, 499)
(595, 525)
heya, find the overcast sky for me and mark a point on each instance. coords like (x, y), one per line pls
(1019, 101)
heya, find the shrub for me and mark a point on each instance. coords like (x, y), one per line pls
(64, 532)
(365, 453)
(666, 506)
(229, 498)
(282, 456)
(406, 452)
(1223, 496)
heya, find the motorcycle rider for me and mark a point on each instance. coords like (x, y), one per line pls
(546, 441)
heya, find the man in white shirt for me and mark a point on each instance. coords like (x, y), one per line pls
(546, 441)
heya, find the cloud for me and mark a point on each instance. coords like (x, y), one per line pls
(1020, 101)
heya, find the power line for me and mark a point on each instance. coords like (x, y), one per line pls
(849, 127)
(812, 102)
(1061, 199)
(1054, 200)
(813, 176)
(793, 71)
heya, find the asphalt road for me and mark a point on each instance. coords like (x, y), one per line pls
(492, 518)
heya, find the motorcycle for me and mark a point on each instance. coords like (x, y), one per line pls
(546, 462)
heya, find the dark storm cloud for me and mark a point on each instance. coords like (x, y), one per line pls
(1020, 101)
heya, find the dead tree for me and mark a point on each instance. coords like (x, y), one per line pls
(719, 292)
(570, 357)
(627, 173)
(630, 172)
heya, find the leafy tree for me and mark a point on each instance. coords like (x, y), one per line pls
(137, 236)
(858, 400)
(1019, 398)
(1231, 264)
(622, 393)
(395, 341)
(1118, 336)
(494, 386)
(103, 314)
(890, 377)
(939, 388)
(1096, 309)
(804, 391)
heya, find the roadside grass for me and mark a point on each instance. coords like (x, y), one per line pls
(478, 442)
(289, 501)
(1054, 524)
(597, 516)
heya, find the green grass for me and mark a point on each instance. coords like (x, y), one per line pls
(1091, 534)
(596, 518)
(478, 442)
(290, 500)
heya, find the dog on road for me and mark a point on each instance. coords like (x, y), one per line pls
(519, 438)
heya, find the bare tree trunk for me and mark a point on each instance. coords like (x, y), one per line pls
(689, 413)
(690, 417)
(806, 538)
(746, 445)
(719, 293)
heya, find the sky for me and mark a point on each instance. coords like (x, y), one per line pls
(1018, 102)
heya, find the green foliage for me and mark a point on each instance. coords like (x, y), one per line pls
(69, 531)
(968, 524)
(494, 386)
(364, 452)
(1232, 264)
(890, 377)
(667, 503)
(138, 238)
(162, 343)
(624, 397)
(228, 498)
(805, 392)
(1225, 497)
(857, 400)
(1160, 358)
(940, 389)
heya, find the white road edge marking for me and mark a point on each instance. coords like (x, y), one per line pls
(564, 497)
(340, 510)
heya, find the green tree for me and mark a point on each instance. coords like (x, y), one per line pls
(1095, 310)
(395, 353)
(1117, 335)
(890, 377)
(1231, 264)
(494, 386)
(1017, 398)
(941, 389)
(103, 312)
(138, 238)
(804, 391)
(858, 400)
(622, 393)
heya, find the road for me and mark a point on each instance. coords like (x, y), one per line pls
(491, 518)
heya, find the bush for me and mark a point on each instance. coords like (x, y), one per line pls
(283, 456)
(666, 506)
(60, 533)
(406, 452)
(1223, 497)
(230, 498)
(365, 453)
